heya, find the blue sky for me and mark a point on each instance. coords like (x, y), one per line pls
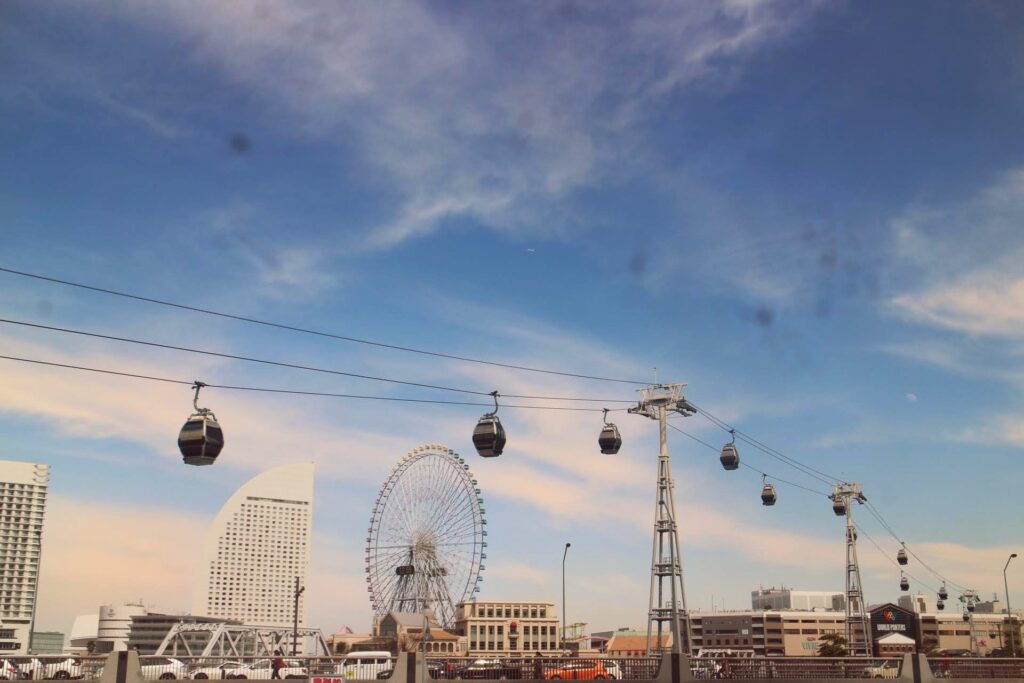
(810, 212)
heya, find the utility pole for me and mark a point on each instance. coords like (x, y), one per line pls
(1009, 612)
(667, 602)
(295, 613)
(843, 496)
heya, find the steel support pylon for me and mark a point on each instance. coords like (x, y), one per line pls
(667, 603)
(858, 626)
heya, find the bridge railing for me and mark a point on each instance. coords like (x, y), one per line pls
(544, 668)
(976, 667)
(51, 667)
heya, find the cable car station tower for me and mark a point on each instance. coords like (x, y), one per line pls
(857, 643)
(667, 597)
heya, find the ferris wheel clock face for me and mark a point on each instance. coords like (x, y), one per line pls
(426, 542)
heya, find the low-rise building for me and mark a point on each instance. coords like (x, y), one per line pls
(508, 627)
(406, 631)
(149, 630)
(626, 643)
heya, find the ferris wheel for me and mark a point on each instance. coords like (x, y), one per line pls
(426, 541)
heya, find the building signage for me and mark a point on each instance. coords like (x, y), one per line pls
(893, 619)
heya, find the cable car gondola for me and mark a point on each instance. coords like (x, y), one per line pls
(489, 435)
(967, 617)
(610, 440)
(768, 496)
(904, 583)
(838, 506)
(730, 456)
(901, 556)
(970, 606)
(940, 605)
(201, 438)
(943, 595)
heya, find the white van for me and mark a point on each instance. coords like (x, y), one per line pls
(366, 665)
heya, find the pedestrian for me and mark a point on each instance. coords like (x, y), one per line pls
(538, 668)
(276, 665)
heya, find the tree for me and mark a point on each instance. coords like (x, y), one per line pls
(832, 645)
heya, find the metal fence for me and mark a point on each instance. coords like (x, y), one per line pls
(544, 668)
(794, 667)
(60, 668)
(976, 667)
(263, 668)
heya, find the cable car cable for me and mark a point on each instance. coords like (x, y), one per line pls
(892, 561)
(881, 520)
(294, 366)
(807, 469)
(781, 457)
(295, 392)
(319, 333)
(744, 464)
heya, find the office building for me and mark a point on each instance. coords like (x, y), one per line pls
(255, 549)
(508, 628)
(919, 602)
(22, 504)
(787, 598)
(47, 643)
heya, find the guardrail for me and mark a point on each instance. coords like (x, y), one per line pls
(544, 668)
(45, 667)
(795, 668)
(129, 667)
(976, 667)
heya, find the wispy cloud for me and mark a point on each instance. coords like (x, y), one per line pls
(465, 120)
(966, 260)
(280, 268)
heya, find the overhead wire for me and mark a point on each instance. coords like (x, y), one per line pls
(804, 468)
(768, 450)
(295, 392)
(812, 472)
(305, 330)
(295, 366)
(743, 464)
(885, 525)
(889, 558)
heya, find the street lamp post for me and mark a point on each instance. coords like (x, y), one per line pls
(564, 554)
(295, 615)
(1009, 614)
(427, 636)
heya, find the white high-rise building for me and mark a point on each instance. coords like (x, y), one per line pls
(256, 547)
(22, 503)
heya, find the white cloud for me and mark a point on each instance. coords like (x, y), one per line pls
(462, 117)
(967, 257)
(912, 397)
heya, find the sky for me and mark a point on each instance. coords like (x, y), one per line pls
(808, 212)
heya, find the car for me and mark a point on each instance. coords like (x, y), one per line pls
(365, 665)
(489, 668)
(52, 668)
(613, 669)
(579, 670)
(889, 669)
(213, 672)
(262, 669)
(9, 671)
(163, 668)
